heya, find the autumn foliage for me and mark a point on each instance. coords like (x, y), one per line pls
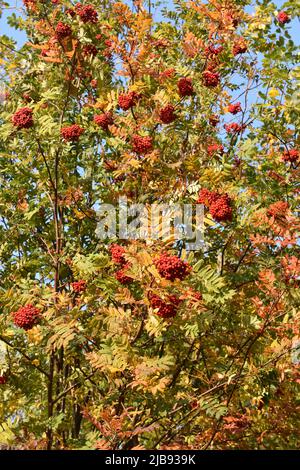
(143, 343)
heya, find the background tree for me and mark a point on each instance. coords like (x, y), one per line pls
(114, 345)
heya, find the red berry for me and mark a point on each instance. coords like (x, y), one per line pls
(291, 155)
(71, 133)
(26, 317)
(283, 17)
(233, 128)
(87, 13)
(185, 86)
(215, 148)
(3, 379)
(94, 83)
(103, 120)
(235, 108)
(79, 286)
(207, 197)
(142, 145)
(171, 267)
(166, 308)
(117, 253)
(23, 119)
(128, 100)
(167, 114)
(211, 79)
(70, 11)
(62, 30)
(221, 209)
(214, 120)
(89, 50)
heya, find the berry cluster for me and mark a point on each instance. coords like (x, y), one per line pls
(171, 267)
(215, 148)
(185, 87)
(71, 133)
(291, 155)
(87, 13)
(219, 204)
(283, 17)
(233, 128)
(117, 253)
(62, 30)
(220, 209)
(128, 100)
(89, 50)
(165, 309)
(167, 114)
(3, 379)
(23, 119)
(121, 276)
(214, 120)
(142, 145)
(79, 286)
(211, 79)
(235, 108)
(239, 47)
(278, 209)
(103, 120)
(207, 197)
(26, 317)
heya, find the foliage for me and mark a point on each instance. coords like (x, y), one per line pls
(101, 368)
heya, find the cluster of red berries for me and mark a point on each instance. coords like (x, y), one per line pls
(26, 317)
(89, 50)
(278, 209)
(220, 209)
(62, 30)
(239, 47)
(23, 119)
(3, 379)
(70, 11)
(117, 253)
(185, 87)
(211, 79)
(283, 17)
(71, 133)
(142, 145)
(233, 128)
(103, 120)
(235, 108)
(214, 120)
(215, 148)
(121, 276)
(171, 267)
(79, 286)
(165, 308)
(87, 13)
(128, 100)
(219, 204)
(94, 83)
(291, 155)
(30, 4)
(167, 114)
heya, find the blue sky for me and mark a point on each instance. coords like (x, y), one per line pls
(20, 36)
